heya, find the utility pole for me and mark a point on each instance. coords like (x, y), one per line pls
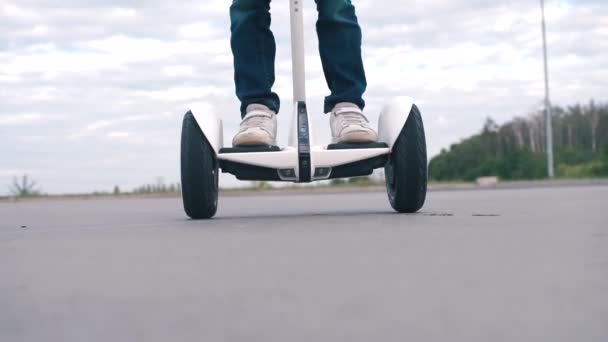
(548, 124)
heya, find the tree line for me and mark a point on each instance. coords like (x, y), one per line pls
(158, 188)
(517, 149)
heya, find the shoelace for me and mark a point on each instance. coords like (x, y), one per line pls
(352, 118)
(260, 121)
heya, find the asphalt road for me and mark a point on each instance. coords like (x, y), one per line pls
(495, 265)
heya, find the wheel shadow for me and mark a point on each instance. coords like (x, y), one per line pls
(322, 215)
(332, 214)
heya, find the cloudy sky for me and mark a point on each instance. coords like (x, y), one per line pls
(92, 92)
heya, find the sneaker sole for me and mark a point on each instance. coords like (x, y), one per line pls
(357, 137)
(252, 140)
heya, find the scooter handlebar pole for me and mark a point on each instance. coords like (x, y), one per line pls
(297, 50)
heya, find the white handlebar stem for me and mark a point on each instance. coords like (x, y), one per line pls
(297, 50)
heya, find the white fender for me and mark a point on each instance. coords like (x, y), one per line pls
(211, 125)
(392, 119)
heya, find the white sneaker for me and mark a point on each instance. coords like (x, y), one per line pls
(259, 127)
(349, 125)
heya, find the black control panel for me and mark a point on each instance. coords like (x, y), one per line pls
(303, 144)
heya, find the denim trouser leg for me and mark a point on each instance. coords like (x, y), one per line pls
(340, 48)
(253, 48)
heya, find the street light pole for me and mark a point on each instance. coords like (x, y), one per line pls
(548, 124)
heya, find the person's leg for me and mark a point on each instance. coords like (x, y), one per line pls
(253, 48)
(340, 49)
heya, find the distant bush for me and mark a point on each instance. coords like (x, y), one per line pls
(158, 188)
(24, 187)
(354, 181)
(596, 168)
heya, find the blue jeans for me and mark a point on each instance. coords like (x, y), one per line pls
(254, 49)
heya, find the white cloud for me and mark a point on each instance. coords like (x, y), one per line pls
(179, 94)
(28, 139)
(603, 31)
(117, 135)
(15, 11)
(442, 120)
(19, 119)
(54, 63)
(178, 70)
(132, 50)
(40, 30)
(123, 13)
(98, 125)
(199, 30)
(7, 173)
(10, 79)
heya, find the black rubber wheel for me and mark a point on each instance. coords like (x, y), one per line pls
(406, 170)
(199, 169)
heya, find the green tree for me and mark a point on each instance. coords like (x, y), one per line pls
(516, 149)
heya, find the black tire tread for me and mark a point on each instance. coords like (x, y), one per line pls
(199, 172)
(409, 160)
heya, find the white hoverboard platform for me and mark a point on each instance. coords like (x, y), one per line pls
(302, 161)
